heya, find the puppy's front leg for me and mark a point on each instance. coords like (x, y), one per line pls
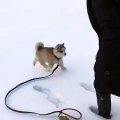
(61, 64)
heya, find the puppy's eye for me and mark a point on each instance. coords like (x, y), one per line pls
(61, 51)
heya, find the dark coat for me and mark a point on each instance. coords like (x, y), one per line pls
(105, 18)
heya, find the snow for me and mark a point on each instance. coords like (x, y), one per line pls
(51, 97)
(25, 22)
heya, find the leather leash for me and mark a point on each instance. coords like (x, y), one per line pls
(28, 112)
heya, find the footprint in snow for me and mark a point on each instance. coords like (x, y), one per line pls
(87, 87)
(51, 97)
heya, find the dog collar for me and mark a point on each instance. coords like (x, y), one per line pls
(56, 56)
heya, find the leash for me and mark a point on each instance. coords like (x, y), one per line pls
(60, 112)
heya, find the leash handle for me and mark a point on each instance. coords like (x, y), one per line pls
(28, 112)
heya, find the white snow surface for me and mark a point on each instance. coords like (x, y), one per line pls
(23, 23)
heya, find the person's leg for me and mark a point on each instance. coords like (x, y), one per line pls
(104, 105)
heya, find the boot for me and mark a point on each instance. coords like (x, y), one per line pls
(104, 105)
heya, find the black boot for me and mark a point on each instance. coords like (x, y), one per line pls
(104, 105)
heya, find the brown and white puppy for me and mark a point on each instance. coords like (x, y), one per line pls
(48, 56)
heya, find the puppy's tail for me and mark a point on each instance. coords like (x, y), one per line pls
(39, 45)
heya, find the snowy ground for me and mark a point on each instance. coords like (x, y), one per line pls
(25, 22)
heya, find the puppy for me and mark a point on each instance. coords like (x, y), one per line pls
(48, 56)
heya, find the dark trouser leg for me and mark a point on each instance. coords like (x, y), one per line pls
(104, 104)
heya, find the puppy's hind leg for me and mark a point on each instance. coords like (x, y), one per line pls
(34, 61)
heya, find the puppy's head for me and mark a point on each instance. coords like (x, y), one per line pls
(60, 50)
